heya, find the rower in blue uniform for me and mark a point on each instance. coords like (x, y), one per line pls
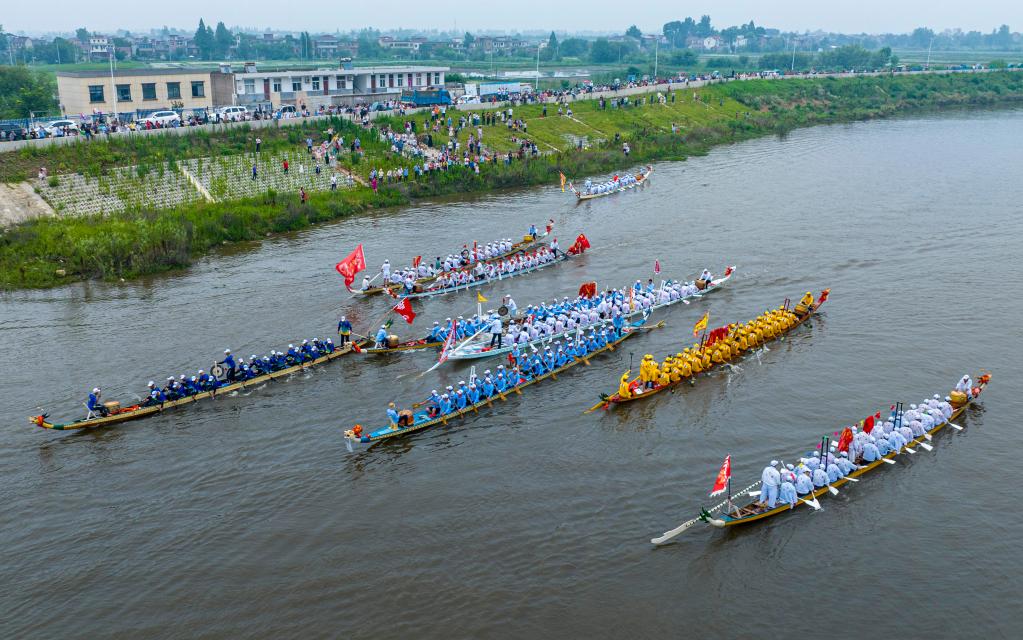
(95, 405)
(392, 415)
(344, 329)
(228, 362)
(156, 396)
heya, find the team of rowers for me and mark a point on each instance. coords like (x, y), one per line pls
(522, 369)
(613, 184)
(787, 483)
(700, 357)
(232, 370)
(485, 271)
(547, 320)
(453, 262)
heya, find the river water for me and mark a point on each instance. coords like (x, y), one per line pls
(246, 517)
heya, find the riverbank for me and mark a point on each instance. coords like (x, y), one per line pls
(53, 251)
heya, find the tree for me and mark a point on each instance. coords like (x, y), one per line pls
(704, 28)
(204, 40)
(576, 47)
(552, 51)
(1002, 37)
(676, 32)
(684, 58)
(603, 51)
(24, 92)
(224, 40)
(633, 32)
(82, 35)
(468, 40)
(921, 37)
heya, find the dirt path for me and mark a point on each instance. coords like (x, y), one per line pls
(18, 203)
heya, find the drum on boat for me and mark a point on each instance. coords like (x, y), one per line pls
(392, 341)
(112, 406)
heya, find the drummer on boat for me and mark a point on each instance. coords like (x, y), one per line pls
(94, 404)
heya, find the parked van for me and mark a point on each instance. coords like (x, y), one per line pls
(232, 114)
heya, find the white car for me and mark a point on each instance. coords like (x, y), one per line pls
(232, 114)
(164, 118)
(57, 127)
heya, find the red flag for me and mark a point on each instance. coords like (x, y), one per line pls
(845, 439)
(868, 424)
(404, 309)
(353, 264)
(355, 347)
(657, 266)
(581, 244)
(723, 476)
(415, 263)
(588, 289)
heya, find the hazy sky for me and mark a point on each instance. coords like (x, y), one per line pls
(872, 16)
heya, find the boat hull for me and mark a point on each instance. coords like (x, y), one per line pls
(143, 412)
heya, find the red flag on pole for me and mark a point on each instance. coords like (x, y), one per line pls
(868, 424)
(723, 476)
(351, 265)
(404, 309)
(657, 266)
(448, 343)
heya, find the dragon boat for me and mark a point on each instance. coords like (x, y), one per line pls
(641, 179)
(356, 440)
(478, 346)
(528, 243)
(636, 391)
(120, 414)
(427, 292)
(729, 514)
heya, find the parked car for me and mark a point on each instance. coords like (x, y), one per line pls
(231, 114)
(58, 127)
(164, 118)
(10, 131)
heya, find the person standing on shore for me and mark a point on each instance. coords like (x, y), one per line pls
(254, 171)
(259, 143)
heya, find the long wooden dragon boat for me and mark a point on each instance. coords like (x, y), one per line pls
(430, 293)
(518, 247)
(408, 345)
(641, 179)
(136, 411)
(421, 420)
(474, 348)
(731, 515)
(639, 393)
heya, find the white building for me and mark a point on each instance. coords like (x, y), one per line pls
(344, 85)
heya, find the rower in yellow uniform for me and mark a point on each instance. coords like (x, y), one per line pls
(623, 386)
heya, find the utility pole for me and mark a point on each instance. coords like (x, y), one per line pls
(657, 42)
(113, 88)
(927, 67)
(793, 67)
(536, 81)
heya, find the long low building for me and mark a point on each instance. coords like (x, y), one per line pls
(343, 85)
(139, 91)
(142, 90)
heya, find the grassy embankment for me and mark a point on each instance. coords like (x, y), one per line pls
(137, 242)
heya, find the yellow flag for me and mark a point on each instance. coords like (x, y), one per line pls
(562, 181)
(479, 297)
(702, 324)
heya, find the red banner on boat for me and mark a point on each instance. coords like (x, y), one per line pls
(845, 439)
(723, 476)
(351, 265)
(588, 290)
(581, 244)
(657, 266)
(868, 424)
